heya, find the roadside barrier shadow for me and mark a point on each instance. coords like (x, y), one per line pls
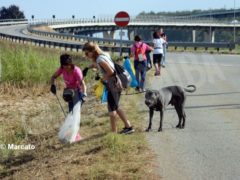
(214, 94)
(218, 106)
(95, 136)
(214, 106)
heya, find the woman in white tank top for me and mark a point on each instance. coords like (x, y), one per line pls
(103, 62)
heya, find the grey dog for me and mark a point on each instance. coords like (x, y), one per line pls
(159, 100)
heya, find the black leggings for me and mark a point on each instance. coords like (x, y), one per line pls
(113, 100)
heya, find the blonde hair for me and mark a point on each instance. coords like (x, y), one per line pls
(94, 48)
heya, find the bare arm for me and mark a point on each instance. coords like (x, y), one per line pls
(84, 87)
(150, 48)
(54, 76)
(108, 69)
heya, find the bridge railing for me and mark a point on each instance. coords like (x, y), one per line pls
(153, 19)
(6, 22)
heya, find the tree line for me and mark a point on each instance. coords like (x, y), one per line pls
(183, 13)
(11, 12)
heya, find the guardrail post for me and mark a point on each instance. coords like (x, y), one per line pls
(231, 46)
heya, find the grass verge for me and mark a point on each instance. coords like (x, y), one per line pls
(32, 115)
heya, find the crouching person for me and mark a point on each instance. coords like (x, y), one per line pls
(74, 92)
(103, 62)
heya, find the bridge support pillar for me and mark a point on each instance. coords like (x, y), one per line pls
(131, 35)
(213, 36)
(206, 36)
(108, 34)
(194, 36)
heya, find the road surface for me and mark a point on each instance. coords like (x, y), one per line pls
(209, 146)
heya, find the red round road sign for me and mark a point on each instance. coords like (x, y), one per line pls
(122, 19)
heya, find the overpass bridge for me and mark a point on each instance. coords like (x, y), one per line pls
(88, 27)
(31, 34)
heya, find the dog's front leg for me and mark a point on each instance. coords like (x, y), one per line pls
(161, 120)
(151, 112)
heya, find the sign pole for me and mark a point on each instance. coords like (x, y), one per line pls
(121, 19)
(121, 37)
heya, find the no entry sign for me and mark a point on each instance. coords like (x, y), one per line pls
(122, 19)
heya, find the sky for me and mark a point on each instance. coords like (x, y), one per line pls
(44, 9)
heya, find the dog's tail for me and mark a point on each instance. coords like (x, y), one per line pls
(190, 90)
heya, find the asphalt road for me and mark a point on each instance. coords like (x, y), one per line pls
(209, 146)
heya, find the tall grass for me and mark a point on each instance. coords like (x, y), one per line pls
(25, 66)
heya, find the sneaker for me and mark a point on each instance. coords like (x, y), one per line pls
(157, 73)
(78, 138)
(137, 89)
(127, 130)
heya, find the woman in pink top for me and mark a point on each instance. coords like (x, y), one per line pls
(138, 51)
(74, 82)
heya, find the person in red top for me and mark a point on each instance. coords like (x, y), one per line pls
(74, 82)
(72, 76)
(138, 51)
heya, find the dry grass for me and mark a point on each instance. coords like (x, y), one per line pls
(29, 114)
(29, 119)
(44, 28)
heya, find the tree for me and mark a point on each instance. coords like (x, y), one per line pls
(12, 12)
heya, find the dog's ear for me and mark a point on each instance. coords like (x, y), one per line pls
(157, 94)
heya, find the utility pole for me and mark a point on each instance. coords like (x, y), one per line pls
(210, 29)
(234, 20)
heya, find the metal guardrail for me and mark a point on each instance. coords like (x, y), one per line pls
(60, 45)
(205, 45)
(80, 38)
(6, 22)
(12, 20)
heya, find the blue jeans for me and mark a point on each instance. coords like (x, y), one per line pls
(141, 69)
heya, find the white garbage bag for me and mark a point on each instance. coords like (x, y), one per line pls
(70, 127)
